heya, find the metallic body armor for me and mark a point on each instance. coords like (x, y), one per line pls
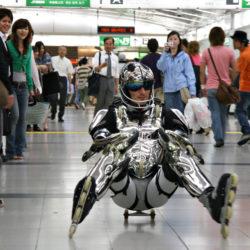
(144, 185)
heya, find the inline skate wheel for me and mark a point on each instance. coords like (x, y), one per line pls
(72, 230)
(125, 215)
(152, 214)
(224, 231)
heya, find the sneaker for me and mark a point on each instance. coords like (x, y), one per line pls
(244, 139)
(220, 201)
(36, 128)
(83, 106)
(1, 203)
(219, 143)
(76, 106)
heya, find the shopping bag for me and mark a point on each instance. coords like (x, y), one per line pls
(197, 114)
(36, 112)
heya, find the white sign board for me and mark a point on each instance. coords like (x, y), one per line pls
(151, 4)
(167, 4)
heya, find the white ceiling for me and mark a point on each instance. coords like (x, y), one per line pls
(84, 21)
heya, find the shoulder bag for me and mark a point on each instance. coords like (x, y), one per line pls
(226, 94)
(51, 83)
(93, 81)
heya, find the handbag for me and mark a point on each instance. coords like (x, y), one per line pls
(51, 83)
(6, 122)
(93, 81)
(226, 94)
(36, 112)
(185, 95)
(3, 95)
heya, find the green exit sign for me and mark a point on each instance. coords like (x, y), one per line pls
(245, 4)
(119, 40)
(59, 3)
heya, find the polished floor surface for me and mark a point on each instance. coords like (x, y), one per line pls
(38, 197)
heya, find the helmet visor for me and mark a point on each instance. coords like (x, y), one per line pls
(134, 86)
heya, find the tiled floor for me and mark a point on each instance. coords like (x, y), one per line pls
(38, 198)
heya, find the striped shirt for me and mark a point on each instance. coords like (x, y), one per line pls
(82, 75)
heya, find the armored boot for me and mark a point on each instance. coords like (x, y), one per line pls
(84, 199)
(219, 201)
(112, 163)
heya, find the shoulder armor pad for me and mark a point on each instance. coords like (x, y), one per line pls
(181, 117)
(98, 117)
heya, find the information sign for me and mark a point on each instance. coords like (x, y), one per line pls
(115, 30)
(245, 4)
(119, 40)
(59, 3)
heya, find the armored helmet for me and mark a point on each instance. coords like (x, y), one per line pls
(134, 76)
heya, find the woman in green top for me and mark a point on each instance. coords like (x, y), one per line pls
(20, 50)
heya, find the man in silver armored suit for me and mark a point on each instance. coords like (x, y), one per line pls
(146, 156)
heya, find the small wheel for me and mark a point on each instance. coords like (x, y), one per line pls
(229, 213)
(190, 150)
(152, 214)
(235, 180)
(224, 231)
(77, 214)
(82, 199)
(87, 183)
(125, 215)
(72, 230)
(231, 196)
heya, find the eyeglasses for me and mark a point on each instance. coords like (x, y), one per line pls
(134, 86)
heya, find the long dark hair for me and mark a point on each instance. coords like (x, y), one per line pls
(20, 24)
(39, 45)
(176, 33)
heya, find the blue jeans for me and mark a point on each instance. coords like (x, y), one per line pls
(77, 97)
(241, 112)
(219, 115)
(16, 141)
(173, 101)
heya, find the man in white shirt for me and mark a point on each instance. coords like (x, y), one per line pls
(64, 67)
(109, 71)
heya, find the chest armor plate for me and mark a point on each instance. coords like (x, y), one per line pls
(146, 153)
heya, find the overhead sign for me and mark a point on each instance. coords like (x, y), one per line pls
(59, 3)
(245, 4)
(119, 40)
(115, 30)
(167, 4)
(116, 1)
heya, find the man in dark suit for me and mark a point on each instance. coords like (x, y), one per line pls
(6, 19)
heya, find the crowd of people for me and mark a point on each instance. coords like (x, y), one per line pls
(179, 67)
